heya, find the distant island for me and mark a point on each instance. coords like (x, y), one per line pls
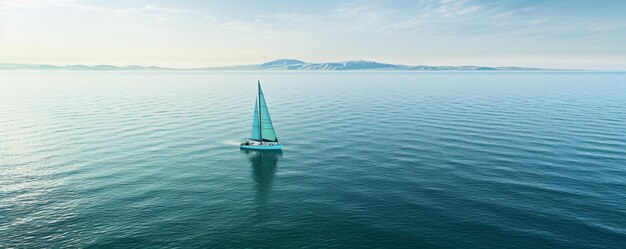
(281, 65)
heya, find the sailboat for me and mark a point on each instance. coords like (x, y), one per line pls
(263, 134)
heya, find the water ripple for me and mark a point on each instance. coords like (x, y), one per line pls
(402, 160)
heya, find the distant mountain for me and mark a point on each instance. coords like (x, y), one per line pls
(282, 64)
(292, 64)
(289, 64)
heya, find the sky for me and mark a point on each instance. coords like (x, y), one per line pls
(194, 33)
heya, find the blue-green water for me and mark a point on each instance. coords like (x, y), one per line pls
(398, 160)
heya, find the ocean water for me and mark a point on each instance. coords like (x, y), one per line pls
(371, 160)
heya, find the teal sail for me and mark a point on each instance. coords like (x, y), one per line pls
(256, 129)
(267, 129)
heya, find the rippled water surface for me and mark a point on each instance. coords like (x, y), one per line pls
(402, 160)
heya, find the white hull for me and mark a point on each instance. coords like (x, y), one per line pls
(256, 145)
(262, 147)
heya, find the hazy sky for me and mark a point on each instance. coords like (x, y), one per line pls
(561, 34)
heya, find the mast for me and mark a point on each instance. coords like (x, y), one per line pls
(259, 97)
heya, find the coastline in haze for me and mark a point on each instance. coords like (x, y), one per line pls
(282, 64)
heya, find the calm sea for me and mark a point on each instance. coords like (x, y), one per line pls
(371, 160)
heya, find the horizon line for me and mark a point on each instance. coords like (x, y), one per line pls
(126, 66)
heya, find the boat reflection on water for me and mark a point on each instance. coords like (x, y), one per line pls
(263, 165)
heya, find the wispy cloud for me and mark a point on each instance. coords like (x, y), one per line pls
(365, 12)
(255, 26)
(159, 13)
(428, 14)
(515, 12)
(41, 4)
(347, 17)
(78, 5)
(468, 18)
(142, 19)
(450, 8)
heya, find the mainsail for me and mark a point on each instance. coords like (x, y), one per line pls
(256, 129)
(262, 128)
